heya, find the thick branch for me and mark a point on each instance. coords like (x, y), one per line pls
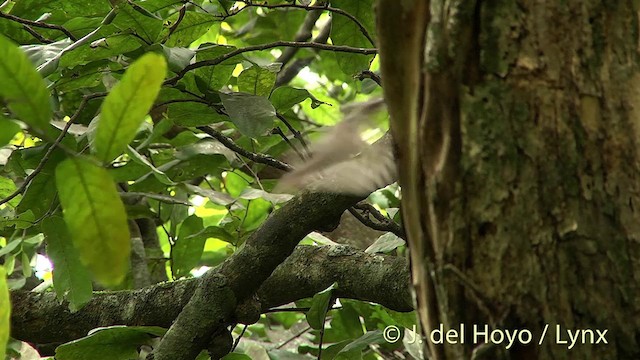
(40, 318)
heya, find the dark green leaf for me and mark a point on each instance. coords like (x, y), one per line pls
(193, 25)
(22, 88)
(193, 114)
(125, 107)
(7, 187)
(253, 115)
(41, 192)
(112, 343)
(345, 32)
(71, 280)
(372, 337)
(187, 251)
(108, 43)
(129, 19)
(95, 217)
(319, 307)
(213, 78)
(257, 80)
(284, 97)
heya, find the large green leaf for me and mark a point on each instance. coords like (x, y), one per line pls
(23, 89)
(192, 26)
(109, 43)
(187, 251)
(95, 217)
(126, 106)
(319, 307)
(112, 343)
(41, 192)
(194, 114)
(257, 80)
(345, 32)
(253, 115)
(71, 280)
(145, 26)
(284, 97)
(5, 312)
(215, 77)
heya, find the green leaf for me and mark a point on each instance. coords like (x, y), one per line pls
(187, 251)
(71, 280)
(136, 157)
(385, 243)
(284, 97)
(345, 32)
(7, 187)
(215, 77)
(5, 313)
(257, 80)
(194, 114)
(109, 45)
(41, 192)
(356, 346)
(23, 89)
(253, 115)
(112, 343)
(192, 26)
(129, 19)
(95, 217)
(178, 57)
(319, 307)
(126, 106)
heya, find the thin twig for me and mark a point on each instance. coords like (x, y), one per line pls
(384, 224)
(360, 26)
(295, 132)
(36, 35)
(38, 24)
(218, 60)
(237, 340)
(368, 74)
(174, 27)
(279, 131)
(256, 157)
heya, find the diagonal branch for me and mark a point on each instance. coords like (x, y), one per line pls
(231, 145)
(38, 24)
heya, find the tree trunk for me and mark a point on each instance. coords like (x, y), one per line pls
(529, 220)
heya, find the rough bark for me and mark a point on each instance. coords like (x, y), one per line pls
(40, 318)
(541, 229)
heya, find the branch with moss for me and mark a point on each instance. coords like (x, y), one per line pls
(41, 319)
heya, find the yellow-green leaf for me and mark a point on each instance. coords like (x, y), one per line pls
(95, 217)
(5, 312)
(21, 87)
(126, 106)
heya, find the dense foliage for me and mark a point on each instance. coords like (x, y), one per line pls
(174, 113)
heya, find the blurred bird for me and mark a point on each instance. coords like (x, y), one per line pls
(342, 162)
